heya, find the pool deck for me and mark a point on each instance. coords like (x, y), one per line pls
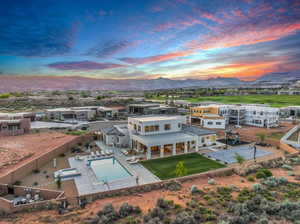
(87, 182)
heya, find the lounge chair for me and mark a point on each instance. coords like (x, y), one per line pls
(98, 154)
(134, 161)
(93, 155)
(131, 159)
(107, 152)
(102, 153)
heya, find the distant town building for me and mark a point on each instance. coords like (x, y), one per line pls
(150, 108)
(14, 124)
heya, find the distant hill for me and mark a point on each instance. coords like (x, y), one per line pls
(23, 83)
(280, 76)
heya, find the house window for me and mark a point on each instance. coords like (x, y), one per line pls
(167, 127)
(179, 125)
(147, 129)
(139, 128)
(202, 140)
(209, 123)
(134, 126)
(218, 123)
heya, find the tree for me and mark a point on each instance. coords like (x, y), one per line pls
(180, 169)
(262, 137)
(58, 182)
(240, 159)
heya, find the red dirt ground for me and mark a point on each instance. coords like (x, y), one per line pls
(17, 150)
(146, 201)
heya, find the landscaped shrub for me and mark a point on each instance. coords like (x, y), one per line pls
(291, 173)
(263, 220)
(263, 173)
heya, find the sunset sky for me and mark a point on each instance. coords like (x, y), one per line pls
(144, 39)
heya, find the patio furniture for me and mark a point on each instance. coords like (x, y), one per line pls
(98, 154)
(102, 153)
(93, 155)
(134, 161)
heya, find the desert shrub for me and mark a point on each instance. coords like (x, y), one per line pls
(108, 214)
(251, 178)
(260, 175)
(257, 187)
(196, 190)
(274, 182)
(267, 172)
(211, 181)
(173, 186)
(157, 213)
(287, 167)
(291, 173)
(164, 204)
(184, 218)
(263, 220)
(125, 210)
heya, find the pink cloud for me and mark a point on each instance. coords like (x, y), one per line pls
(83, 65)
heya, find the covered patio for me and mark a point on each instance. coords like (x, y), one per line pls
(162, 145)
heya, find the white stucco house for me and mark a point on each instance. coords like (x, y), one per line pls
(158, 136)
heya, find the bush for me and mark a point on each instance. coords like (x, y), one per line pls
(287, 167)
(196, 190)
(184, 218)
(267, 172)
(257, 187)
(251, 178)
(211, 181)
(263, 173)
(260, 175)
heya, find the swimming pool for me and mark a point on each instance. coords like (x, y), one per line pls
(109, 169)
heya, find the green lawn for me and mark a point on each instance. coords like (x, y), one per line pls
(164, 168)
(273, 100)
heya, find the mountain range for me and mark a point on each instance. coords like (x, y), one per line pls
(34, 83)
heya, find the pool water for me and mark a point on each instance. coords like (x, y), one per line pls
(109, 169)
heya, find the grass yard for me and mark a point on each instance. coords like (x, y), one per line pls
(164, 168)
(273, 100)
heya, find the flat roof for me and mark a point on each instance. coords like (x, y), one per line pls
(167, 138)
(158, 118)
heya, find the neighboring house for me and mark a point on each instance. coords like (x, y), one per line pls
(116, 135)
(14, 127)
(72, 113)
(253, 115)
(290, 111)
(15, 123)
(110, 112)
(150, 108)
(208, 117)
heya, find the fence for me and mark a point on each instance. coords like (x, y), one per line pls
(49, 197)
(149, 187)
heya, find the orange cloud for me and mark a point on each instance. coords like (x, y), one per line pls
(156, 58)
(249, 35)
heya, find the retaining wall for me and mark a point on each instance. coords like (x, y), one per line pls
(36, 163)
